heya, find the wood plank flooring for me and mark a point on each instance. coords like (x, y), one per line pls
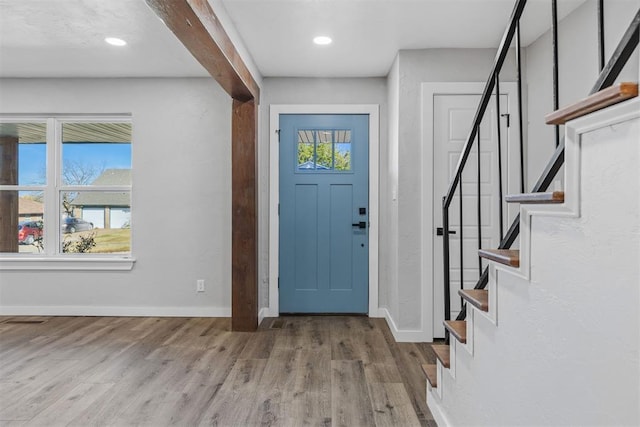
(294, 371)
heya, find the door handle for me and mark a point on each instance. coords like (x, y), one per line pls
(440, 231)
(361, 224)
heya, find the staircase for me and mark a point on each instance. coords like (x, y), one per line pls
(572, 290)
(551, 333)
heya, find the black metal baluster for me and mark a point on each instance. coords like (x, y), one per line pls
(503, 51)
(620, 56)
(520, 130)
(500, 213)
(554, 27)
(479, 208)
(445, 257)
(601, 33)
(461, 244)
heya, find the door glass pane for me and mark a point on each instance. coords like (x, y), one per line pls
(96, 222)
(320, 150)
(96, 153)
(324, 149)
(23, 154)
(343, 150)
(306, 146)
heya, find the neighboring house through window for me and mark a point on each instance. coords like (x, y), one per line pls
(107, 210)
(30, 209)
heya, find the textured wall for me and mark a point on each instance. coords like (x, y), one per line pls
(416, 67)
(389, 198)
(566, 348)
(181, 205)
(577, 68)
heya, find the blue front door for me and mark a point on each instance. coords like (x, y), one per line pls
(324, 211)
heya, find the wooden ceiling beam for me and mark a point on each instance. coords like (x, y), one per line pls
(198, 28)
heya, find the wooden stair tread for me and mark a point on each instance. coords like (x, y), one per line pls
(442, 353)
(551, 197)
(457, 328)
(479, 298)
(508, 257)
(599, 100)
(431, 373)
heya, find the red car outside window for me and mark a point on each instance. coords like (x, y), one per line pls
(29, 231)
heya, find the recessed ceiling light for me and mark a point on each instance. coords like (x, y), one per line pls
(115, 41)
(322, 40)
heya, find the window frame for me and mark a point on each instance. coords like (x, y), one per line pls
(52, 257)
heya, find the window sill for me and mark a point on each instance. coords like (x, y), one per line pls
(67, 263)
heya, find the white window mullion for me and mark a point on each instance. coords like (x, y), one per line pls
(51, 220)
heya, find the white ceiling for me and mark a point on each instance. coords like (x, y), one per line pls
(65, 38)
(367, 34)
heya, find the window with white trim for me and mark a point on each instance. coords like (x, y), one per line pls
(65, 187)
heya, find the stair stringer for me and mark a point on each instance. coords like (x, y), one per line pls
(474, 393)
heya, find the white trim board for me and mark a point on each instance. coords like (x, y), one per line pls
(401, 335)
(373, 110)
(262, 313)
(74, 310)
(439, 415)
(13, 262)
(429, 90)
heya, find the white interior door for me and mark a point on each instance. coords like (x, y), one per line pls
(452, 119)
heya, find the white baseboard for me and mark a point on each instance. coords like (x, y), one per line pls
(406, 335)
(436, 410)
(264, 312)
(72, 310)
(379, 312)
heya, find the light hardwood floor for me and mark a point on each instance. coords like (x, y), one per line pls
(294, 371)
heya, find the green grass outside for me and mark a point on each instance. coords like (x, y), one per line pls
(114, 240)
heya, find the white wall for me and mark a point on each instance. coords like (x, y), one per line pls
(578, 70)
(413, 68)
(181, 204)
(389, 197)
(306, 91)
(566, 346)
(236, 39)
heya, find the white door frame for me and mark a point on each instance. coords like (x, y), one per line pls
(429, 90)
(274, 192)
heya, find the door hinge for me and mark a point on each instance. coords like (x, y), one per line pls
(508, 116)
(278, 209)
(278, 132)
(278, 282)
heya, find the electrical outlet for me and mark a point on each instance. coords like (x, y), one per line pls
(200, 285)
